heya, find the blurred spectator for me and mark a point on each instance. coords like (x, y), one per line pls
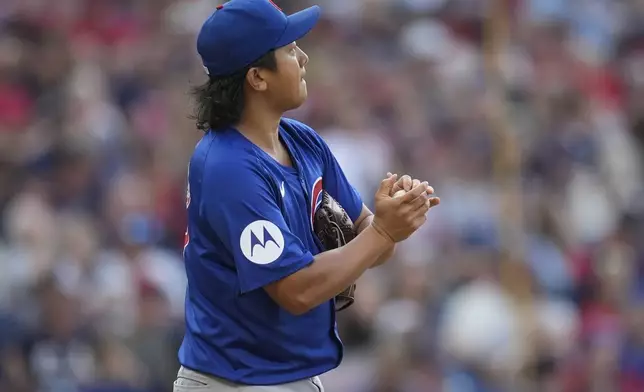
(60, 352)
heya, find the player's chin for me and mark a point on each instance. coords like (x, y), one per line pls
(299, 99)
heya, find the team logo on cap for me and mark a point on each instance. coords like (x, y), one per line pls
(275, 5)
(261, 242)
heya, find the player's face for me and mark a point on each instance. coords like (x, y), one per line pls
(287, 85)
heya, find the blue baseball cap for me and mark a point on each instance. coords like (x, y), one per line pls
(240, 32)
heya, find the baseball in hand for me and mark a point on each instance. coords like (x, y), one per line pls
(400, 193)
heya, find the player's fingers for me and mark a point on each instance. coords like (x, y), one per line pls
(419, 202)
(414, 183)
(406, 182)
(430, 190)
(387, 185)
(420, 207)
(414, 193)
(403, 183)
(396, 188)
(419, 221)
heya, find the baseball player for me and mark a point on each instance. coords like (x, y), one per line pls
(276, 235)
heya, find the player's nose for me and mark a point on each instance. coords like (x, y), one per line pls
(303, 57)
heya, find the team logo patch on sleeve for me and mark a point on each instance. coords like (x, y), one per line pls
(262, 242)
(316, 197)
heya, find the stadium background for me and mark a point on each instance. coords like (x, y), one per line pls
(527, 116)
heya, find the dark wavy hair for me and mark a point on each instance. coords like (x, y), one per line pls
(220, 101)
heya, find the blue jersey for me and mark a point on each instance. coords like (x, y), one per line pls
(250, 224)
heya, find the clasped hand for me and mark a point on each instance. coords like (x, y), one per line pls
(401, 206)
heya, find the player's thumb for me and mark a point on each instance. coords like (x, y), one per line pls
(387, 185)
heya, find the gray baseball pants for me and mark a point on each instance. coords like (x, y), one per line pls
(192, 381)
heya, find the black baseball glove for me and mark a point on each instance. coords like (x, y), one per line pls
(334, 228)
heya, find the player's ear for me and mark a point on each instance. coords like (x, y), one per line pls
(256, 80)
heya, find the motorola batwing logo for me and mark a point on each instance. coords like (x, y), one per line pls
(262, 242)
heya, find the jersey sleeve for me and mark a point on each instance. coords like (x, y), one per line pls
(240, 205)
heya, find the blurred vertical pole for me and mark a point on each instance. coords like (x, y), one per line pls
(507, 166)
(506, 153)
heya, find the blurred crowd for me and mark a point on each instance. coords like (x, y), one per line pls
(528, 277)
